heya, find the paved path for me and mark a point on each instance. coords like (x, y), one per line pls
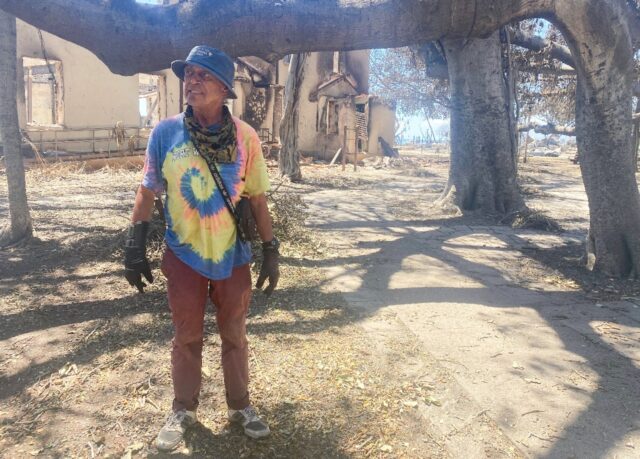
(540, 371)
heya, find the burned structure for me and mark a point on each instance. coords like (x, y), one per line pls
(70, 103)
(336, 109)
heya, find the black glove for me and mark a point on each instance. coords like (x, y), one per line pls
(135, 256)
(270, 269)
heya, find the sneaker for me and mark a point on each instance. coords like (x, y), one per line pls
(254, 427)
(171, 434)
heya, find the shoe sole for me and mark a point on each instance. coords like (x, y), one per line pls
(257, 435)
(248, 433)
(166, 448)
(175, 445)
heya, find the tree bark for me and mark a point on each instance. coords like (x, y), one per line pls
(108, 28)
(277, 112)
(604, 64)
(482, 175)
(289, 161)
(19, 226)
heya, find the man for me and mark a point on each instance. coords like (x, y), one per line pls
(204, 256)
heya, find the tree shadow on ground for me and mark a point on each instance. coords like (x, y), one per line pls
(614, 403)
(42, 267)
(114, 334)
(107, 328)
(294, 438)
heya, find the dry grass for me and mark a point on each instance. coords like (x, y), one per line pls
(533, 219)
(85, 359)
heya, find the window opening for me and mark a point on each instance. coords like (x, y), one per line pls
(149, 99)
(332, 117)
(43, 91)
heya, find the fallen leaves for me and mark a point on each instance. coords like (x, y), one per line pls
(68, 369)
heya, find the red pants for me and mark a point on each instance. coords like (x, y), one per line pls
(188, 292)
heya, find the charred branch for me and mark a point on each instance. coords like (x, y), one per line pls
(548, 128)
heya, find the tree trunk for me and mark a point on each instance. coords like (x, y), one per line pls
(19, 226)
(277, 112)
(604, 61)
(289, 161)
(482, 175)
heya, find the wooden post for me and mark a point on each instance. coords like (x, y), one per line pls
(636, 137)
(526, 141)
(355, 150)
(30, 97)
(344, 149)
(636, 142)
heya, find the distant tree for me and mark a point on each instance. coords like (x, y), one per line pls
(289, 163)
(546, 76)
(399, 75)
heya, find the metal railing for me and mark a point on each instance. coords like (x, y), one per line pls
(57, 143)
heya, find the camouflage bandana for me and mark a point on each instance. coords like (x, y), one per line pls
(220, 146)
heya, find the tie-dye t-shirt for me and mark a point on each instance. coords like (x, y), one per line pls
(200, 229)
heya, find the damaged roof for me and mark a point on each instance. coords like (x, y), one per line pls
(338, 85)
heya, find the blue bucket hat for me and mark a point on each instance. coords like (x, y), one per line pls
(210, 59)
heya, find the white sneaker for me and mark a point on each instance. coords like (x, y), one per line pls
(254, 427)
(173, 430)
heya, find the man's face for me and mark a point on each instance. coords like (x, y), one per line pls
(202, 89)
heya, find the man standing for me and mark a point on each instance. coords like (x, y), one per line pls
(204, 256)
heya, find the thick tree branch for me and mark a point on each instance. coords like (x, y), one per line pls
(131, 38)
(547, 129)
(545, 70)
(535, 43)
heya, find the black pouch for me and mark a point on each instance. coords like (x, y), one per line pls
(248, 230)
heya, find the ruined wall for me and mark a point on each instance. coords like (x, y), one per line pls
(92, 95)
(358, 66)
(236, 106)
(318, 67)
(382, 121)
(171, 94)
(313, 136)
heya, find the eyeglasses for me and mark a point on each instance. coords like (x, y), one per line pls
(200, 75)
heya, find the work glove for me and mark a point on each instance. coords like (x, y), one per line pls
(270, 269)
(135, 256)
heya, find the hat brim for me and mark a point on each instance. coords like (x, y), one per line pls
(178, 69)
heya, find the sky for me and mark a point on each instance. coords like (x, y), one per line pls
(417, 126)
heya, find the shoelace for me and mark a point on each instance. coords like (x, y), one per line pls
(250, 414)
(175, 420)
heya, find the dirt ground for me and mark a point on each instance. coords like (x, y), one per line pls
(84, 359)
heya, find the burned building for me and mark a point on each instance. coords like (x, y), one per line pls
(69, 101)
(336, 109)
